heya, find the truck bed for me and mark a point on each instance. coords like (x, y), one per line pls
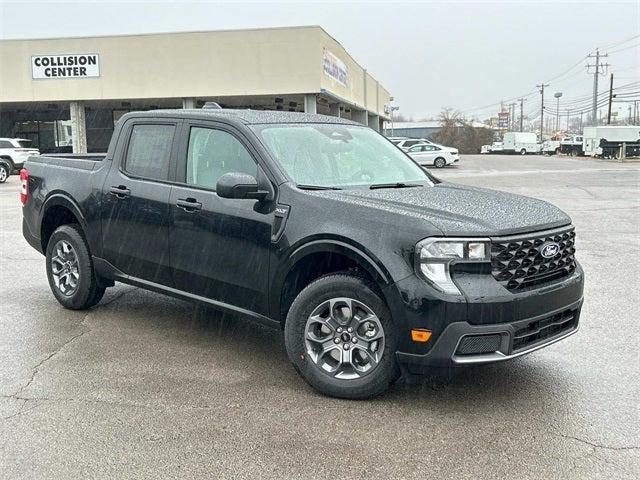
(84, 161)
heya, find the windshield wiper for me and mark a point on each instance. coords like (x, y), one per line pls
(393, 185)
(316, 187)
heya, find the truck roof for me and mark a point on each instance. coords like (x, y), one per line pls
(246, 116)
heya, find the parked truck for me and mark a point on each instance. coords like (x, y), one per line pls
(520, 142)
(572, 145)
(550, 147)
(610, 140)
(314, 224)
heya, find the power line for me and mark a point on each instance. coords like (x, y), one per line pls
(625, 48)
(620, 42)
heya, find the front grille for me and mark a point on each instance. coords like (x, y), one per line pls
(539, 330)
(517, 262)
(476, 344)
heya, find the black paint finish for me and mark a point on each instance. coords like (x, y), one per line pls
(238, 254)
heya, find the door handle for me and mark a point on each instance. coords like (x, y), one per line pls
(189, 204)
(120, 191)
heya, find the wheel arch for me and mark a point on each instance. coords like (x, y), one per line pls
(314, 259)
(59, 210)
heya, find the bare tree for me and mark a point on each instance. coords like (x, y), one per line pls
(456, 131)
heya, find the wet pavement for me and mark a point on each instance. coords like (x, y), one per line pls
(147, 386)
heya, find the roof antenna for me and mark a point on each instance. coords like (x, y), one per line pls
(212, 106)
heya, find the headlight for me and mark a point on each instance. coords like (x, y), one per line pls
(434, 256)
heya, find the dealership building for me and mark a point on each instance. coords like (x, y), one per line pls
(65, 94)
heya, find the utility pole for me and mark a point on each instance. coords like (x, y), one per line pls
(610, 100)
(512, 114)
(541, 87)
(521, 100)
(597, 67)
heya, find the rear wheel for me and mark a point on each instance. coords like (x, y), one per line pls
(4, 172)
(439, 162)
(340, 337)
(70, 269)
(523, 151)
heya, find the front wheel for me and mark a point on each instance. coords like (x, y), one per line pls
(439, 162)
(340, 337)
(70, 269)
(4, 172)
(523, 152)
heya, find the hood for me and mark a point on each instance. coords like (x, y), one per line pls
(460, 210)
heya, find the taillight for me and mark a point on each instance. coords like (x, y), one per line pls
(24, 186)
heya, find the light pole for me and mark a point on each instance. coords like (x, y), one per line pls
(557, 95)
(392, 108)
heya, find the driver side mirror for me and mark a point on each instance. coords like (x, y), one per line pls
(240, 186)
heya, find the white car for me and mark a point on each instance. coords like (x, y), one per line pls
(427, 154)
(406, 143)
(13, 153)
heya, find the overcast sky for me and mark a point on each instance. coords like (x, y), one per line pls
(464, 55)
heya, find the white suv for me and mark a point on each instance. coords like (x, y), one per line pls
(13, 153)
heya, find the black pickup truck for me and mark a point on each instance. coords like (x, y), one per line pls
(373, 267)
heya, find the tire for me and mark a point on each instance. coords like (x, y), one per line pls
(346, 381)
(68, 262)
(523, 151)
(4, 172)
(557, 151)
(439, 162)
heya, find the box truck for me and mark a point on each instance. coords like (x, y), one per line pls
(608, 141)
(520, 142)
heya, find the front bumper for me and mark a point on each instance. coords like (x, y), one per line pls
(486, 309)
(542, 331)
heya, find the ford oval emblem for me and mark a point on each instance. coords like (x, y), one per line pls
(550, 249)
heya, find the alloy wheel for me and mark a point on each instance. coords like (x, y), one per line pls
(64, 268)
(345, 338)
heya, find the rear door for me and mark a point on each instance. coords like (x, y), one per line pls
(219, 246)
(135, 207)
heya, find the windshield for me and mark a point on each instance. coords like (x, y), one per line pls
(330, 155)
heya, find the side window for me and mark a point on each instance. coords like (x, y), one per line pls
(415, 149)
(212, 153)
(5, 144)
(149, 151)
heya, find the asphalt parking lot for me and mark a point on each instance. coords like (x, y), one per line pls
(148, 386)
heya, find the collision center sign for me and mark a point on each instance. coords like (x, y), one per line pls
(334, 67)
(77, 65)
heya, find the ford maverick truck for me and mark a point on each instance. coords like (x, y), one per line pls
(371, 266)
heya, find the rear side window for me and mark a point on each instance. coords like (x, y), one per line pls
(5, 144)
(149, 151)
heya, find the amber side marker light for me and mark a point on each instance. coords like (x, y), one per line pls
(420, 336)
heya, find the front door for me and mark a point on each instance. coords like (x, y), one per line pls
(219, 247)
(135, 207)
